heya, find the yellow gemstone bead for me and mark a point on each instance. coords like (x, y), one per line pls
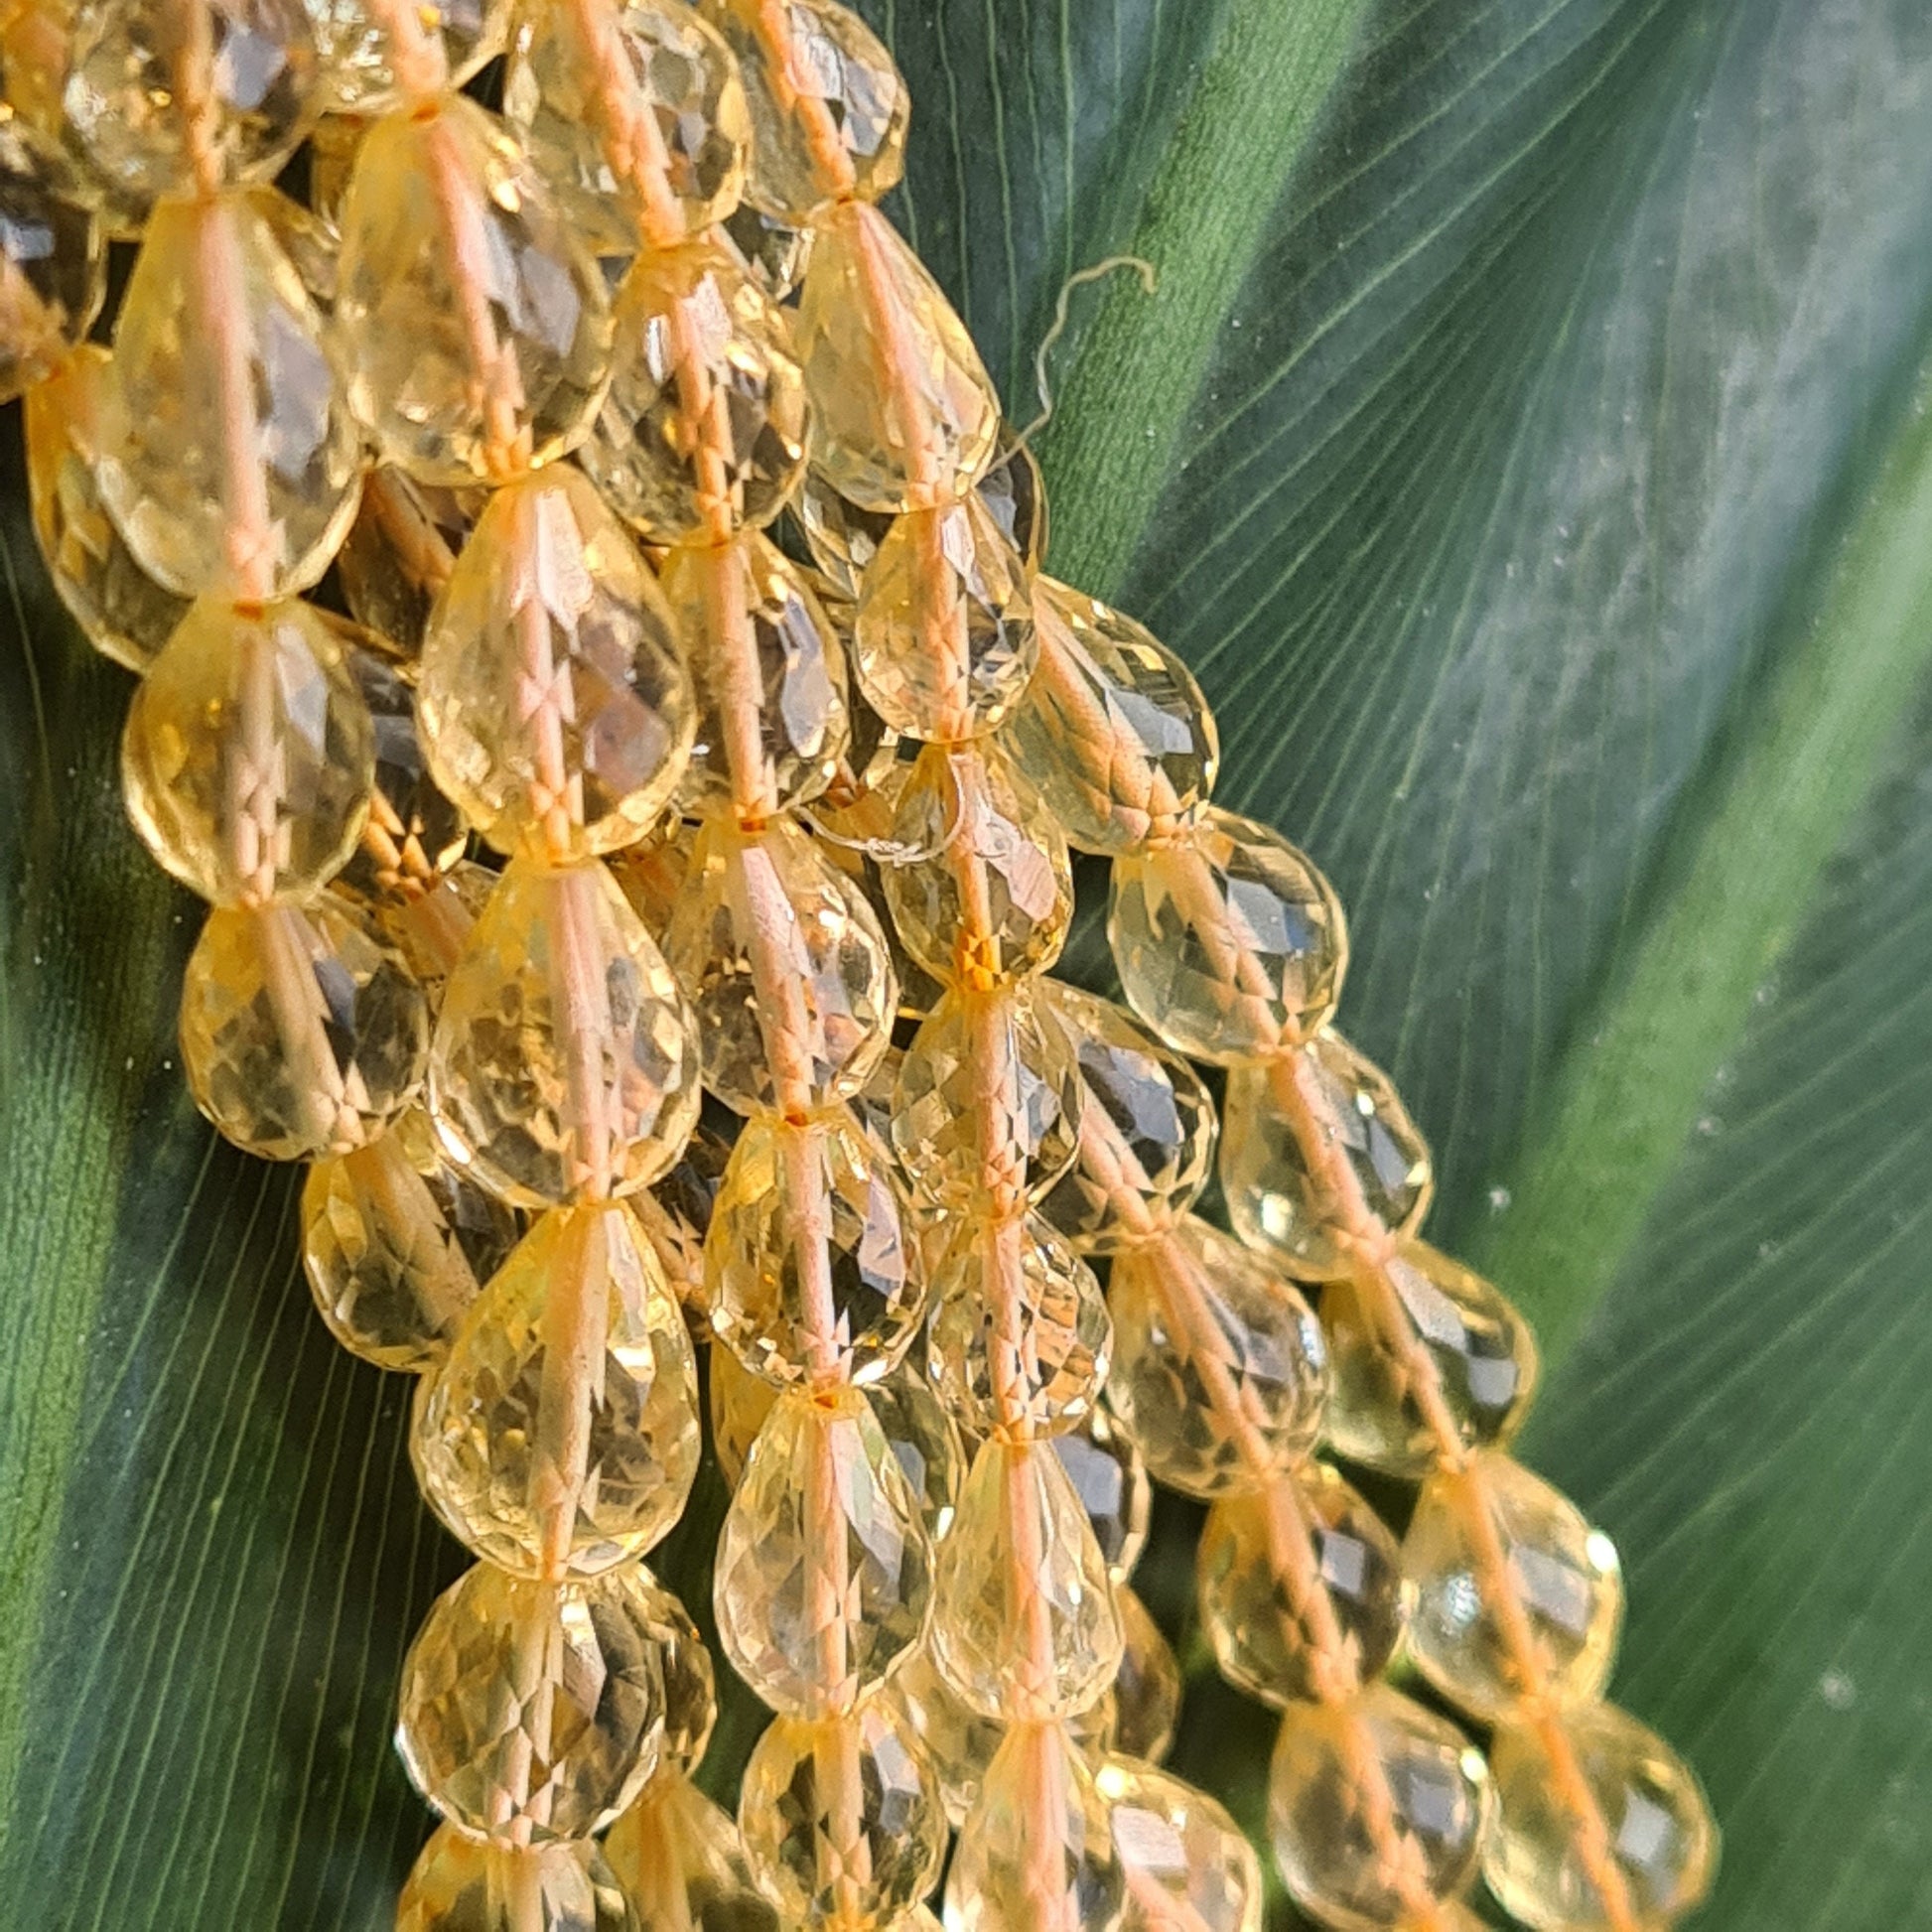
(229, 455)
(785, 966)
(703, 432)
(555, 705)
(399, 553)
(53, 269)
(943, 642)
(958, 1741)
(1110, 1477)
(679, 1861)
(534, 1711)
(560, 1435)
(675, 1215)
(463, 1885)
(1479, 1353)
(690, 1684)
(565, 1065)
(829, 110)
(1327, 1101)
(807, 1269)
(1146, 1692)
(904, 413)
(248, 757)
(300, 1034)
(740, 1401)
(1375, 1805)
(395, 1244)
(1490, 1528)
(1301, 1587)
(1228, 941)
(1036, 1853)
(1025, 1626)
(365, 72)
(1189, 1865)
(841, 1818)
(824, 1567)
(1019, 1339)
(924, 1442)
(1651, 1840)
(473, 322)
(981, 886)
(1219, 1366)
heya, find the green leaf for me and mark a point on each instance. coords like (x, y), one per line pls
(1526, 442)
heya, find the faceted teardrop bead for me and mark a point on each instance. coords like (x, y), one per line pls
(1146, 1692)
(53, 269)
(1328, 1100)
(125, 612)
(1228, 941)
(1651, 1839)
(463, 1885)
(1037, 1851)
(988, 1108)
(560, 1435)
(841, 1818)
(739, 1402)
(473, 322)
(400, 552)
(943, 642)
(981, 886)
(763, 655)
(679, 1861)
(228, 455)
(396, 1243)
(807, 1269)
(300, 1034)
(1023, 1622)
(824, 1568)
(534, 1711)
(785, 966)
(690, 1683)
(1146, 1128)
(1110, 1479)
(1301, 1587)
(924, 1441)
(1376, 1806)
(829, 110)
(366, 72)
(1189, 1864)
(1490, 1527)
(1019, 1339)
(555, 705)
(565, 1065)
(904, 413)
(1113, 726)
(1455, 1330)
(1219, 1366)
(703, 432)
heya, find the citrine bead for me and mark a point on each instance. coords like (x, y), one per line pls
(703, 431)
(785, 966)
(1316, 1138)
(1650, 1838)
(1219, 1366)
(1188, 1863)
(1019, 1339)
(1301, 1587)
(1113, 726)
(904, 413)
(808, 1272)
(1023, 1622)
(565, 1065)
(473, 322)
(924, 1442)
(1228, 941)
(1375, 1806)
(53, 269)
(555, 704)
(368, 70)
(739, 1403)
(829, 110)
(300, 1033)
(1147, 1691)
(463, 1885)
(533, 1711)
(1147, 1130)
(824, 1568)
(680, 1862)
(1036, 1853)
(400, 550)
(1110, 1477)
(769, 672)
(560, 1435)
(943, 641)
(395, 1244)
(690, 1684)
(248, 757)
(1467, 1367)
(841, 1818)
(228, 455)
(1489, 1529)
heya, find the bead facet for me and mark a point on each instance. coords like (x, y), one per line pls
(463, 1885)
(52, 268)
(1189, 1862)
